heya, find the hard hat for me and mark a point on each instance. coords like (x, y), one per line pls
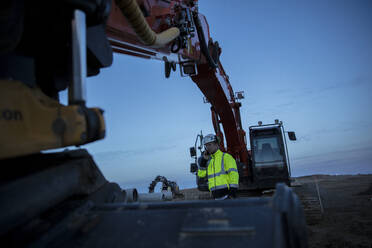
(209, 138)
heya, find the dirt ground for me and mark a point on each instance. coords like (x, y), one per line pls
(338, 209)
(344, 216)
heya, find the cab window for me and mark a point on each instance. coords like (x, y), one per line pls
(267, 150)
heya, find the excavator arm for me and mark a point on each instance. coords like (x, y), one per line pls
(162, 30)
(197, 55)
(215, 86)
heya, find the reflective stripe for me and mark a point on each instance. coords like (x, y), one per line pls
(234, 185)
(222, 164)
(221, 198)
(232, 169)
(216, 175)
(203, 169)
(222, 169)
(220, 187)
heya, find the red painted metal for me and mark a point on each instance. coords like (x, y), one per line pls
(214, 83)
(162, 16)
(217, 89)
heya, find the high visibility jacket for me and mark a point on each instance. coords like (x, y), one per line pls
(221, 171)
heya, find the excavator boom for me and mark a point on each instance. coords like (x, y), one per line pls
(133, 34)
(215, 85)
(195, 50)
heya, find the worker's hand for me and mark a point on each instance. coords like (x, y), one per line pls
(202, 162)
(206, 155)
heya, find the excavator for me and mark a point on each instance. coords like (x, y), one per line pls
(61, 199)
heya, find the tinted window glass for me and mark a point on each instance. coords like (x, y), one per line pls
(267, 150)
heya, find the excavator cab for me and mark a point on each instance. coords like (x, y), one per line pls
(270, 162)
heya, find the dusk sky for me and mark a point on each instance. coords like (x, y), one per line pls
(307, 63)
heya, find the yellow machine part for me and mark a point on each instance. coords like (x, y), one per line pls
(31, 122)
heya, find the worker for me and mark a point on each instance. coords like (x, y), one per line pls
(220, 168)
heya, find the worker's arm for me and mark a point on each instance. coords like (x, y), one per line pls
(232, 171)
(203, 165)
(202, 172)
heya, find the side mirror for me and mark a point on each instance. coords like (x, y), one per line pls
(193, 168)
(292, 135)
(192, 152)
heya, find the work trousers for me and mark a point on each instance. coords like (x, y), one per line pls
(219, 193)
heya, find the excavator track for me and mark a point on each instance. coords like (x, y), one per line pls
(309, 193)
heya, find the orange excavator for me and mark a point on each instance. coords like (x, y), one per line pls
(61, 199)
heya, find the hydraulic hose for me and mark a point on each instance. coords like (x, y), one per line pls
(213, 59)
(133, 13)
